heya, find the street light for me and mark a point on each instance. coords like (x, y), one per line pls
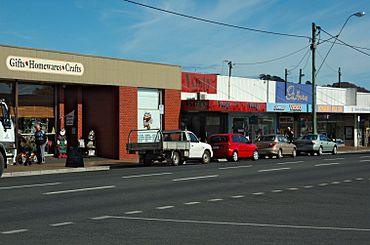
(313, 48)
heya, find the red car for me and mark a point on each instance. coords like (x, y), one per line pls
(232, 147)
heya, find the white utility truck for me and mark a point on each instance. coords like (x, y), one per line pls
(174, 146)
(7, 137)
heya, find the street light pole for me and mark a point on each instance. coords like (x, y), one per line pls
(313, 49)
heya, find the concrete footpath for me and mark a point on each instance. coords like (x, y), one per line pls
(57, 166)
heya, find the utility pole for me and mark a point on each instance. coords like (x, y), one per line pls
(230, 64)
(285, 79)
(313, 49)
(339, 77)
(300, 76)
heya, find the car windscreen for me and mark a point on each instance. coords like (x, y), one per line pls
(309, 137)
(267, 138)
(219, 139)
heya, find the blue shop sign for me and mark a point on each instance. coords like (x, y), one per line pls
(295, 93)
(284, 107)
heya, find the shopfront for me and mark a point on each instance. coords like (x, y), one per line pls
(82, 93)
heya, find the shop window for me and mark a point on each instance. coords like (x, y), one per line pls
(7, 94)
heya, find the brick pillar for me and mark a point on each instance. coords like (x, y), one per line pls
(172, 107)
(127, 119)
(61, 107)
(79, 112)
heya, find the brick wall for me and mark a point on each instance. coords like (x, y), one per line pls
(61, 113)
(172, 107)
(127, 119)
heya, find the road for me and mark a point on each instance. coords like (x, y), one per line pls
(302, 200)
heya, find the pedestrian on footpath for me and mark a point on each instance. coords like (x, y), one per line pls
(40, 140)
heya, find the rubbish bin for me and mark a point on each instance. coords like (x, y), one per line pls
(75, 158)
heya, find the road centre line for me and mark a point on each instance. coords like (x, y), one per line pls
(145, 175)
(191, 203)
(61, 224)
(272, 169)
(308, 186)
(323, 184)
(364, 160)
(365, 157)
(282, 163)
(237, 196)
(29, 186)
(326, 164)
(335, 182)
(236, 167)
(215, 200)
(80, 190)
(224, 223)
(101, 217)
(195, 178)
(164, 207)
(258, 193)
(293, 189)
(347, 181)
(277, 191)
(14, 231)
(134, 212)
(333, 159)
(359, 179)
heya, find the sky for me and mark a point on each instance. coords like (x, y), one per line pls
(119, 29)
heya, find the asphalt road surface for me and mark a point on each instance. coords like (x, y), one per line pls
(302, 200)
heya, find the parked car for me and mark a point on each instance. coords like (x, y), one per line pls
(316, 143)
(275, 145)
(232, 147)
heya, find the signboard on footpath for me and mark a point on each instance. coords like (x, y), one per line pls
(194, 82)
(222, 106)
(294, 93)
(284, 107)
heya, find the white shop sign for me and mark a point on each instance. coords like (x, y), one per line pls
(149, 116)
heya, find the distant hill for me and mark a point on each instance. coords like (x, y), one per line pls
(348, 85)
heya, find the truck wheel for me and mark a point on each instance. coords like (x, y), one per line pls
(206, 158)
(175, 159)
(2, 164)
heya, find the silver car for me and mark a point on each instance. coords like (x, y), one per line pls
(315, 143)
(275, 145)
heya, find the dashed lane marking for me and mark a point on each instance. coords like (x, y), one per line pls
(308, 186)
(283, 163)
(236, 167)
(224, 223)
(364, 160)
(326, 164)
(333, 159)
(145, 175)
(195, 178)
(191, 203)
(164, 207)
(277, 191)
(61, 224)
(258, 193)
(272, 170)
(237, 196)
(359, 179)
(101, 217)
(323, 184)
(80, 190)
(29, 186)
(215, 200)
(134, 212)
(14, 231)
(347, 181)
(365, 157)
(335, 182)
(293, 189)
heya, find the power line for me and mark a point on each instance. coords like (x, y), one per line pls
(322, 58)
(216, 22)
(299, 63)
(328, 40)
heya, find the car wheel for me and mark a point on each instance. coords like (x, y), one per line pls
(206, 157)
(280, 154)
(294, 153)
(255, 155)
(175, 159)
(335, 151)
(2, 164)
(319, 152)
(235, 156)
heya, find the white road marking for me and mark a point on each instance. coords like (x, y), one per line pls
(134, 212)
(335, 182)
(293, 189)
(237, 196)
(80, 190)
(365, 157)
(258, 193)
(364, 160)
(29, 186)
(246, 166)
(144, 175)
(191, 203)
(164, 207)
(326, 164)
(308, 186)
(333, 159)
(14, 231)
(101, 217)
(277, 191)
(272, 169)
(359, 179)
(280, 226)
(195, 178)
(282, 163)
(347, 181)
(61, 224)
(323, 184)
(215, 200)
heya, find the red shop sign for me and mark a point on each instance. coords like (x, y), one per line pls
(222, 106)
(194, 82)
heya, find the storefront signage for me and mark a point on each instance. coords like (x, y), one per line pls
(330, 108)
(194, 82)
(18, 63)
(295, 93)
(222, 106)
(282, 107)
(356, 109)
